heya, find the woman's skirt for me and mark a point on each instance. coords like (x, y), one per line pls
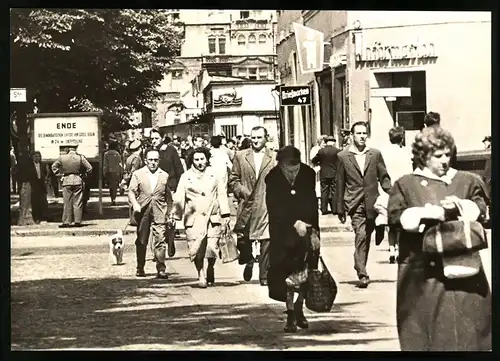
(208, 246)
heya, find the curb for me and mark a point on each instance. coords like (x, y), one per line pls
(106, 232)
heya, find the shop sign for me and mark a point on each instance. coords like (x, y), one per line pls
(310, 48)
(295, 95)
(228, 99)
(379, 52)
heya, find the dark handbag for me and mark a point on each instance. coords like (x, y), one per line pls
(321, 289)
(455, 237)
(227, 245)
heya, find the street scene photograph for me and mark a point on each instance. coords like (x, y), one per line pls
(250, 180)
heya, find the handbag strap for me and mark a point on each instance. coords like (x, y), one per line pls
(323, 265)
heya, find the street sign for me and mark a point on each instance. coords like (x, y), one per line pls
(18, 95)
(295, 95)
(310, 48)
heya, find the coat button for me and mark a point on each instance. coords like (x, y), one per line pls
(432, 263)
(203, 194)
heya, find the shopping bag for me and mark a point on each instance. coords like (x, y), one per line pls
(227, 245)
(321, 289)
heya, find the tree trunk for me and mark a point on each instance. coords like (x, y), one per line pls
(25, 214)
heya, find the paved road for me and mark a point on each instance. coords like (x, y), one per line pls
(67, 295)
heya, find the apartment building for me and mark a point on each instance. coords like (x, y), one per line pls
(235, 44)
(390, 68)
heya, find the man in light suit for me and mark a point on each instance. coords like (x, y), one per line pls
(247, 182)
(151, 201)
(360, 169)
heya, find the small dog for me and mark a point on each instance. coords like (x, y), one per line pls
(116, 246)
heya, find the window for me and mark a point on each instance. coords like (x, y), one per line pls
(244, 14)
(222, 45)
(252, 73)
(242, 72)
(263, 73)
(410, 111)
(252, 39)
(177, 74)
(241, 40)
(230, 130)
(262, 39)
(211, 45)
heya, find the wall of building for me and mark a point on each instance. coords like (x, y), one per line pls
(457, 80)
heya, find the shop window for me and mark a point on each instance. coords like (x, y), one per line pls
(242, 40)
(222, 45)
(409, 112)
(244, 14)
(230, 130)
(262, 39)
(211, 46)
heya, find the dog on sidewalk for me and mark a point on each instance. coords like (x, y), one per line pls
(116, 247)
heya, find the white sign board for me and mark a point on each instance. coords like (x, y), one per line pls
(18, 95)
(50, 133)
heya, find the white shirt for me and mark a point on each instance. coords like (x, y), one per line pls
(398, 161)
(257, 158)
(153, 179)
(360, 157)
(38, 171)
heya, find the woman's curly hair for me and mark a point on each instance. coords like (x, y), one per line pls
(202, 150)
(428, 141)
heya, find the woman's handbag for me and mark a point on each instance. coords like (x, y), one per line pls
(321, 289)
(227, 245)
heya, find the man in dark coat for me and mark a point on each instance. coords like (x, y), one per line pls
(250, 167)
(37, 175)
(360, 169)
(327, 158)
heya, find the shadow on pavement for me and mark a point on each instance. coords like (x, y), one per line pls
(142, 313)
(371, 281)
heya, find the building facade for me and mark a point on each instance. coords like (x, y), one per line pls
(390, 68)
(230, 43)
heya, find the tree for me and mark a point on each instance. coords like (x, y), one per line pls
(90, 59)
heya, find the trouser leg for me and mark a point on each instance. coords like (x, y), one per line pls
(332, 185)
(160, 246)
(143, 229)
(264, 259)
(67, 216)
(363, 229)
(78, 203)
(325, 194)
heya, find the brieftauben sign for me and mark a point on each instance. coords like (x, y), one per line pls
(51, 132)
(295, 95)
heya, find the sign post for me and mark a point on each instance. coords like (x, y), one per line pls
(52, 132)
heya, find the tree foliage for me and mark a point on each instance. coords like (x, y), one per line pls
(92, 59)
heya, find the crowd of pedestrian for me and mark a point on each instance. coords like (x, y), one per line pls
(402, 192)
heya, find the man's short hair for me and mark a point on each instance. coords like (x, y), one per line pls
(151, 150)
(397, 135)
(216, 141)
(357, 124)
(259, 127)
(431, 119)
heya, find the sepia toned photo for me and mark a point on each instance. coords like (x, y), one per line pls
(250, 180)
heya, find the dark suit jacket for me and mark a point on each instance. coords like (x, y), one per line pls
(353, 186)
(39, 183)
(327, 158)
(170, 162)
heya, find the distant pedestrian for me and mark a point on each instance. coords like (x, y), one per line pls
(294, 231)
(219, 160)
(246, 143)
(134, 162)
(433, 119)
(151, 200)
(360, 169)
(232, 148)
(327, 159)
(443, 299)
(197, 143)
(72, 168)
(320, 143)
(37, 175)
(13, 171)
(250, 168)
(201, 199)
(113, 169)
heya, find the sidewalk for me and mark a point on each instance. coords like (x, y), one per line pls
(83, 302)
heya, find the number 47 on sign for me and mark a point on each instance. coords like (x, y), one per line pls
(302, 99)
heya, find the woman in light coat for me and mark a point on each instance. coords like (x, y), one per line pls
(201, 199)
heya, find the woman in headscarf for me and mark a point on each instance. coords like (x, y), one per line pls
(294, 230)
(443, 301)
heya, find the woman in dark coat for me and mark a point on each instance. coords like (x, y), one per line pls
(294, 230)
(436, 312)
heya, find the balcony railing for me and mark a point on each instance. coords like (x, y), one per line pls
(217, 59)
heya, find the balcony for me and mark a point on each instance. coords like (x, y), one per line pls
(217, 59)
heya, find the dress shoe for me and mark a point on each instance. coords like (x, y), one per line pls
(299, 316)
(140, 272)
(162, 275)
(64, 225)
(77, 225)
(210, 276)
(263, 282)
(364, 282)
(291, 322)
(247, 272)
